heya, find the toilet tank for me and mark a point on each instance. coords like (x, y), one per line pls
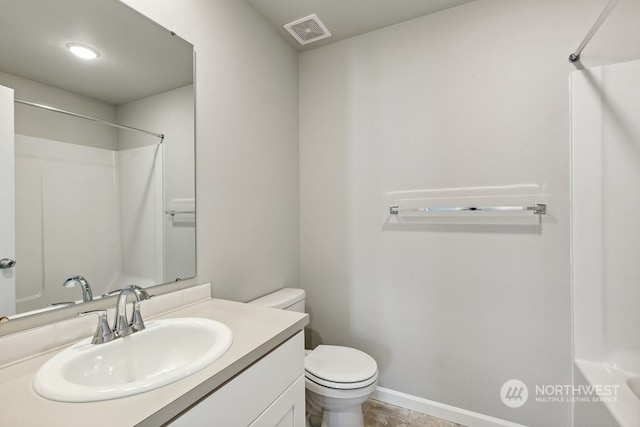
(286, 299)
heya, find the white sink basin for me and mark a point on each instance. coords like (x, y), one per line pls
(165, 352)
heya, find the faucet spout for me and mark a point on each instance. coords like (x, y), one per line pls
(87, 295)
(123, 326)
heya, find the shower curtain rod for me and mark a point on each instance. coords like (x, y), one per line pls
(104, 122)
(575, 56)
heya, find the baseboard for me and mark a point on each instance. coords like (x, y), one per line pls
(439, 410)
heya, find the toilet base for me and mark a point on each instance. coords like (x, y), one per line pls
(350, 418)
(314, 413)
(336, 408)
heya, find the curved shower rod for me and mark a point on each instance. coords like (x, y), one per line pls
(575, 56)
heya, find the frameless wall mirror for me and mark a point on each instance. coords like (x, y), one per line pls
(112, 205)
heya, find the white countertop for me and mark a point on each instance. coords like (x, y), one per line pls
(256, 331)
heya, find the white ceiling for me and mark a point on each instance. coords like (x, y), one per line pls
(138, 57)
(346, 18)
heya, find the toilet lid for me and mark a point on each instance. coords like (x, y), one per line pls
(310, 378)
(339, 364)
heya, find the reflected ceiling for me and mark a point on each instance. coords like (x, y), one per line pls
(45, 27)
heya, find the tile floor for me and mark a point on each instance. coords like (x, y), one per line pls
(379, 414)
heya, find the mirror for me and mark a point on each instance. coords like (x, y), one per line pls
(113, 205)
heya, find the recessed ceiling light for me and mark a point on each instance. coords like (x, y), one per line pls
(82, 51)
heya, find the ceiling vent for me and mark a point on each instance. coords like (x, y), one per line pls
(308, 29)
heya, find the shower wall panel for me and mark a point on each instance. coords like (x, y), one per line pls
(606, 201)
(67, 212)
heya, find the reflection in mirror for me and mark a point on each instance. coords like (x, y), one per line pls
(111, 205)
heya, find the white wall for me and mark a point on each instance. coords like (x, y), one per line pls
(473, 96)
(246, 145)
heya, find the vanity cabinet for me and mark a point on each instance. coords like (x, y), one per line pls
(258, 382)
(268, 393)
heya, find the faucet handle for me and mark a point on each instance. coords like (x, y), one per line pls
(103, 332)
(137, 324)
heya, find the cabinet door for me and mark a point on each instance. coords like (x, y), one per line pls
(287, 411)
(247, 397)
(7, 202)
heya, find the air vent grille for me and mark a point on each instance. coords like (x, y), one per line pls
(307, 29)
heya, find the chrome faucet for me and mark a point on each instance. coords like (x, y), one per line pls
(87, 295)
(123, 326)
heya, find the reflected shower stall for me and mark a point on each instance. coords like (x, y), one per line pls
(95, 212)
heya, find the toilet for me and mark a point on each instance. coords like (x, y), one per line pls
(338, 379)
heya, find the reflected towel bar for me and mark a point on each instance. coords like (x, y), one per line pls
(176, 212)
(538, 209)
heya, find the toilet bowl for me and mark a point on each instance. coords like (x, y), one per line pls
(338, 379)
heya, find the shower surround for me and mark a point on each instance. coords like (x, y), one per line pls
(605, 242)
